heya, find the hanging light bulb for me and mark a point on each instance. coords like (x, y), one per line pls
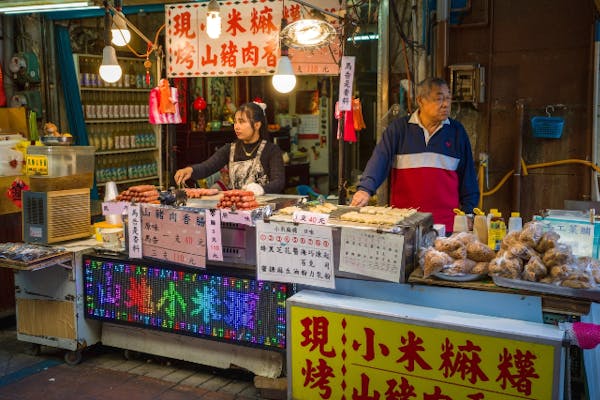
(284, 79)
(213, 20)
(110, 70)
(120, 34)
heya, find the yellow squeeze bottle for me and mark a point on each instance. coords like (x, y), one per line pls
(496, 231)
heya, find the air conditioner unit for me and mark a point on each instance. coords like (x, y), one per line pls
(56, 216)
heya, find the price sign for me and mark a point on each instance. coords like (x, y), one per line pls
(307, 217)
(174, 235)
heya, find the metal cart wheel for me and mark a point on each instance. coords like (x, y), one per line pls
(73, 357)
(34, 349)
(130, 354)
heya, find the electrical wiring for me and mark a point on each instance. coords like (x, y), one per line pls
(525, 168)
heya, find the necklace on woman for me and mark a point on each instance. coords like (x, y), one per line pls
(249, 153)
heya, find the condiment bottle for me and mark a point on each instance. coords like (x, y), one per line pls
(460, 221)
(515, 222)
(480, 226)
(496, 231)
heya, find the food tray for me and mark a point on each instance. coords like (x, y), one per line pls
(587, 294)
(459, 277)
(28, 256)
(43, 262)
(57, 140)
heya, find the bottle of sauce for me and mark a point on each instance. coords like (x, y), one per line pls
(480, 226)
(515, 222)
(496, 231)
(460, 221)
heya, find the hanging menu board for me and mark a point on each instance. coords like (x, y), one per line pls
(174, 235)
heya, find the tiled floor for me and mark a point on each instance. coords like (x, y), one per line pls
(105, 374)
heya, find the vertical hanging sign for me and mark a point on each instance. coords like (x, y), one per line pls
(214, 246)
(346, 82)
(134, 230)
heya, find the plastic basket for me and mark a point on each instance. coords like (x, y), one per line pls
(547, 127)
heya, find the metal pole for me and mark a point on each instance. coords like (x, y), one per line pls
(516, 197)
(341, 183)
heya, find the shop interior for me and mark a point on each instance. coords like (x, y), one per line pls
(303, 122)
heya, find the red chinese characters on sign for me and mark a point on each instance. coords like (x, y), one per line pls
(248, 45)
(316, 336)
(523, 365)
(457, 359)
(465, 362)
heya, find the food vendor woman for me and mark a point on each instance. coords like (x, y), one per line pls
(254, 163)
(428, 157)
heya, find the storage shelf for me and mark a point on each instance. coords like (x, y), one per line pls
(147, 178)
(121, 151)
(113, 89)
(112, 121)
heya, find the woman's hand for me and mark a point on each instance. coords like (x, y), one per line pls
(255, 188)
(183, 175)
(360, 199)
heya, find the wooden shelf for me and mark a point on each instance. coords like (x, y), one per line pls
(114, 120)
(122, 151)
(147, 178)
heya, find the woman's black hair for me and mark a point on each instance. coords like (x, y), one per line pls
(255, 113)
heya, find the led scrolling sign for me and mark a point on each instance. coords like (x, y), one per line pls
(198, 303)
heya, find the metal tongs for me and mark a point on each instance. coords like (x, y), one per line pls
(180, 195)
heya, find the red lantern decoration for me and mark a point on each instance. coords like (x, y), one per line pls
(199, 104)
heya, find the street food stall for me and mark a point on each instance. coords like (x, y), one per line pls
(210, 283)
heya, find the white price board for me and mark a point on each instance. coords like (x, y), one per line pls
(371, 253)
(287, 252)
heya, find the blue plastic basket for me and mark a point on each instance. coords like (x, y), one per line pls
(547, 127)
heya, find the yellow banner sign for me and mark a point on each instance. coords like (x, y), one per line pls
(344, 356)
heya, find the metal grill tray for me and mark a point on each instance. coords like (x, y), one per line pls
(459, 277)
(587, 294)
(335, 220)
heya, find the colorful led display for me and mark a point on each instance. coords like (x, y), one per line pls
(197, 303)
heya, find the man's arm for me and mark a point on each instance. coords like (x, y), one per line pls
(381, 161)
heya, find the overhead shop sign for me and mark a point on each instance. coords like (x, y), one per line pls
(249, 43)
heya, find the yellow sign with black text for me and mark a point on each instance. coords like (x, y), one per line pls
(343, 356)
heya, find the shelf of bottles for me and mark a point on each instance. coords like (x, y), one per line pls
(116, 117)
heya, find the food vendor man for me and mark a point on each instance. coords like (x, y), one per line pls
(428, 158)
(254, 163)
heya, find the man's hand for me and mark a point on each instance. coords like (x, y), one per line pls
(183, 175)
(360, 199)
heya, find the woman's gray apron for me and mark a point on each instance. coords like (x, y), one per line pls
(242, 173)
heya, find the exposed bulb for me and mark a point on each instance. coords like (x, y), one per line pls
(284, 79)
(110, 70)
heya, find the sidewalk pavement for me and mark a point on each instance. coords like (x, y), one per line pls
(105, 374)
